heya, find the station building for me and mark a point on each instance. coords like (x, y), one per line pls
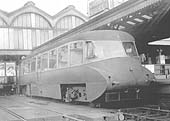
(26, 28)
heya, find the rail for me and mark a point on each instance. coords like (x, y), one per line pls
(70, 118)
(65, 117)
(76, 117)
(111, 115)
(146, 114)
(13, 113)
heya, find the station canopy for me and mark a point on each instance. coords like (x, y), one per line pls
(165, 42)
(147, 21)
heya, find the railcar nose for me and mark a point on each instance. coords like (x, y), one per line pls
(129, 73)
(140, 77)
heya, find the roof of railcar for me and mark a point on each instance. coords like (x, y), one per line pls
(102, 35)
(113, 35)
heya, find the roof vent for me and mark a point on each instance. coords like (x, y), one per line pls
(29, 3)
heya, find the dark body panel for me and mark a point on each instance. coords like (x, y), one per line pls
(99, 77)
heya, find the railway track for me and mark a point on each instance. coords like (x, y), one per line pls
(146, 114)
(149, 113)
(20, 118)
(67, 117)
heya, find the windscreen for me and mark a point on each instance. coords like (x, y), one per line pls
(104, 49)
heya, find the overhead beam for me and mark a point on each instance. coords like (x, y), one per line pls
(15, 52)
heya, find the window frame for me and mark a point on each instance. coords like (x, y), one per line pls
(68, 54)
(82, 53)
(56, 67)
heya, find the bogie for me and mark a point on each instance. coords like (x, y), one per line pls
(73, 92)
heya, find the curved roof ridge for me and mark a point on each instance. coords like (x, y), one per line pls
(29, 5)
(4, 12)
(68, 8)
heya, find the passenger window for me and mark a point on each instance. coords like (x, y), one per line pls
(76, 53)
(22, 69)
(44, 62)
(26, 67)
(38, 63)
(63, 57)
(33, 64)
(90, 50)
(53, 59)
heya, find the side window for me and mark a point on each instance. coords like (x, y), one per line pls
(38, 63)
(26, 67)
(53, 59)
(63, 56)
(76, 53)
(22, 69)
(33, 64)
(90, 50)
(44, 65)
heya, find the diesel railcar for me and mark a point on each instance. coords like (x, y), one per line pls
(95, 65)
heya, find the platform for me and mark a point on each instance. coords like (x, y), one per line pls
(21, 108)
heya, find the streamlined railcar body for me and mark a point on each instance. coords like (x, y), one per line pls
(97, 65)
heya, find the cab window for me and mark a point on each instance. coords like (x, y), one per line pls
(130, 48)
